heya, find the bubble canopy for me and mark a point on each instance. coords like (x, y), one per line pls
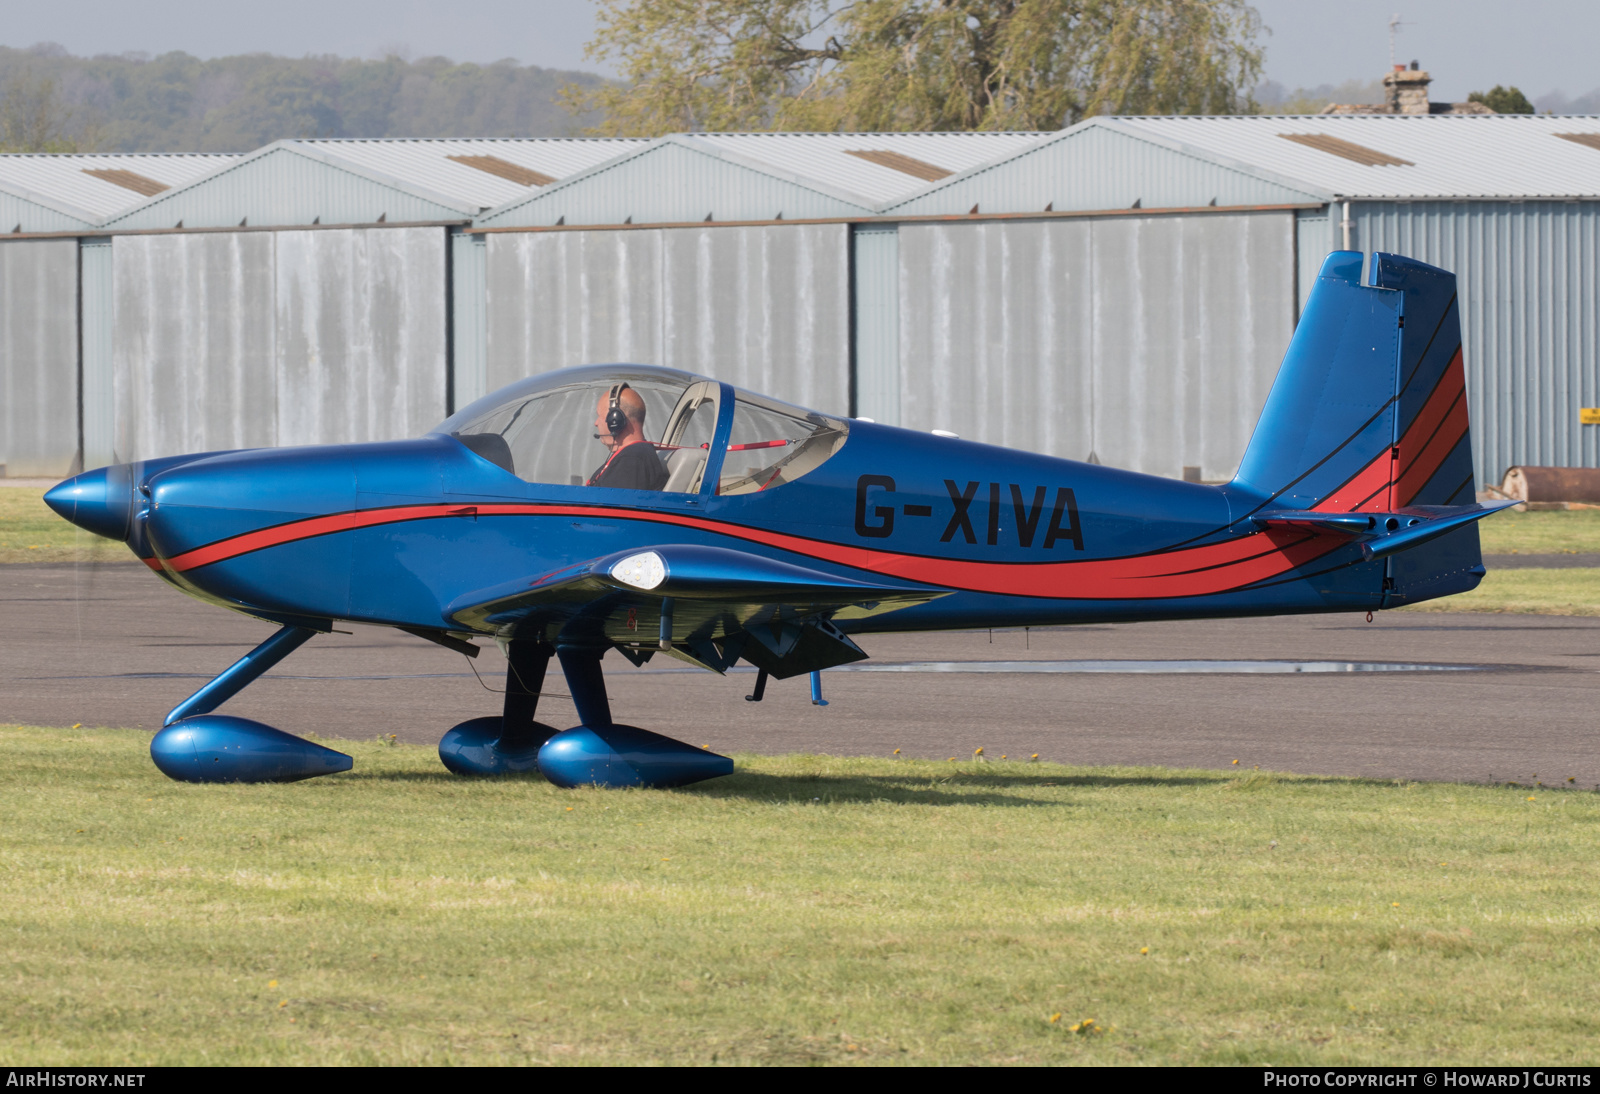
(698, 435)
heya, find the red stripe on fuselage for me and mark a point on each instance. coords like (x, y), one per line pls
(1194, 571)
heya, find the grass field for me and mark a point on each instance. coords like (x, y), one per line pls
(805, 910)
(30, 532)
(1541, 533)
(1573, 591)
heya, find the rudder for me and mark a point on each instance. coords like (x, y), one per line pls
(1433, 457)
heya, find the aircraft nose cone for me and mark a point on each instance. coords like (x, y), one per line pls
(99, 501)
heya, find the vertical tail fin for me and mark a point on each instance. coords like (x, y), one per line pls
(1368, 413)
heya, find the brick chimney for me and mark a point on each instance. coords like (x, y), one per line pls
(1407, 90)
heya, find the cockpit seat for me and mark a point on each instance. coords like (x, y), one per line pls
(684, 467)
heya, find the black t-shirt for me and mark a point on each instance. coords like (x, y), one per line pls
(634, 467)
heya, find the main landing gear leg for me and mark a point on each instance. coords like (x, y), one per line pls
(196, 745)
(602, 753)
(510, 743)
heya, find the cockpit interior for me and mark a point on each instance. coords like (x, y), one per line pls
(543, 430)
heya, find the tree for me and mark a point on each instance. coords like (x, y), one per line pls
(278, 102)
(33, 117)
(179, 103)
(1277, 99)
(1503, 100)
(859, 65)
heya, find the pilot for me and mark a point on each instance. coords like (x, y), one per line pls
(619, 425)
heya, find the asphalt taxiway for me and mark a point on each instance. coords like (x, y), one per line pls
(1464, 697)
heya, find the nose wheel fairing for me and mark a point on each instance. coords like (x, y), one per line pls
(216, 748)
(195, 745)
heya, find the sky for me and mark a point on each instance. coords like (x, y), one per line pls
(1541, 46)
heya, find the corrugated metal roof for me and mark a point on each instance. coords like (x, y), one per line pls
(1415, 157)
(1094, 168)
(26, 211)
(432, 163)
(65, 179)
(828, 157)
(1448, 156)
(742, 176)
(291, 183)
(678, 179)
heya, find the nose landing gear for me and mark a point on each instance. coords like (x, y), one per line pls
(198, 746)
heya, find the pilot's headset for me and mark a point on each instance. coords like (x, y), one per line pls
(616, 417)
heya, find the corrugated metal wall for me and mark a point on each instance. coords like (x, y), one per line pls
(570, 298)
(1150, 342)
(1316, 234)
(360, 334)
(99, 376)
(764, 307)
(38, 357)
(194, 336)
(876, 277)
(1529, 281)
(247, 339)
(469, 256)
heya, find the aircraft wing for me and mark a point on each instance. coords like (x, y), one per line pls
(706, 605)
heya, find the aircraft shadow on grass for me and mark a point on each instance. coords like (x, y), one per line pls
(722, 526)
(914, 788)
(956, 788)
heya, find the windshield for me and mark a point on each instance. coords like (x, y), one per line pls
(773, 443)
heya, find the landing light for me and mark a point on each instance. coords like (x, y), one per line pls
(645, 570)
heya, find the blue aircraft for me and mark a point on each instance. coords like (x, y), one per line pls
(651, 511)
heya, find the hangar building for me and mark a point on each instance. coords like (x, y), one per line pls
(299, 294)
(48, 203)
(1510, 203)
(1121, 290)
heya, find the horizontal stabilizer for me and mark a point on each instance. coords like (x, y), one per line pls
(1416, 531)
(1382, 534)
